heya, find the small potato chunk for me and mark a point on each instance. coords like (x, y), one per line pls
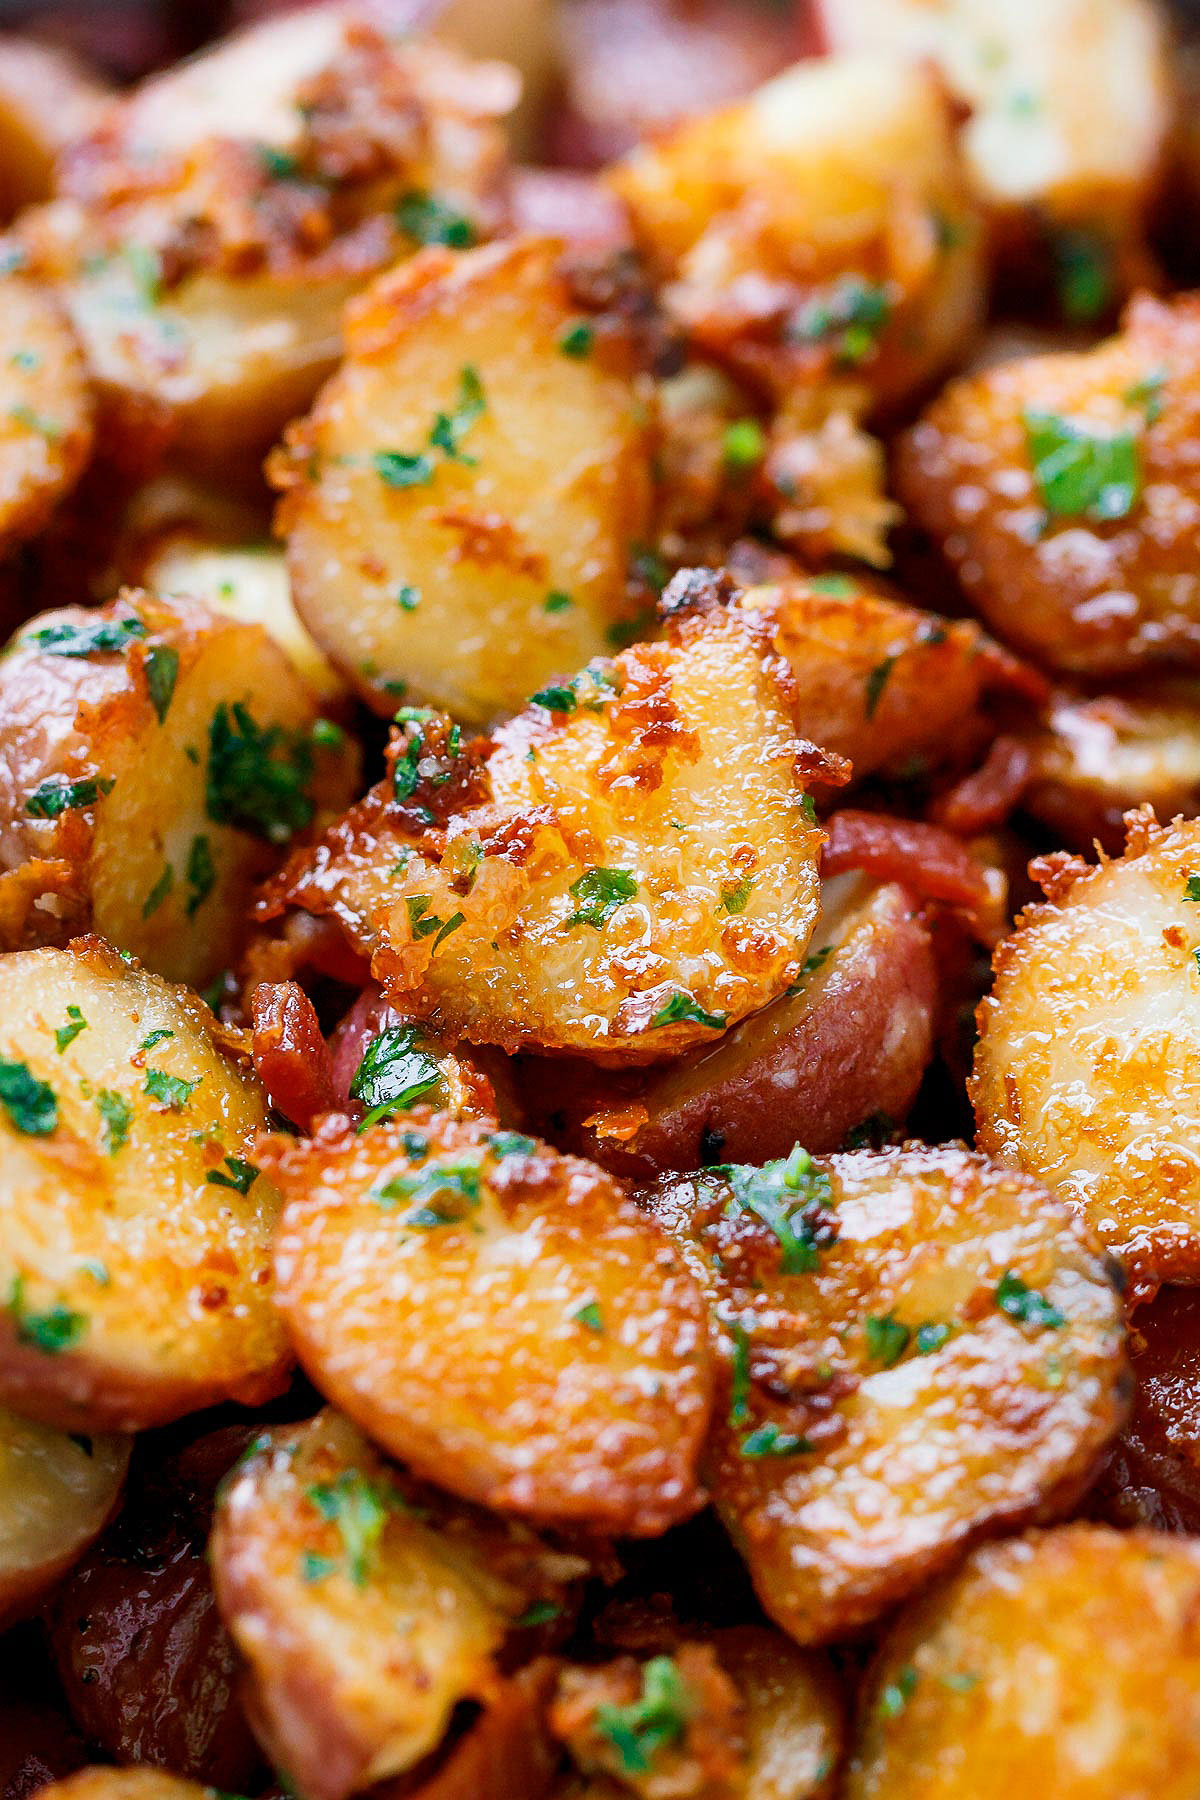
(154, 753)
(1065, 493)
(46, 426)
(134, 1244)
(631, 869)
(919, 1350)
(1093, 759)
(1087, 1070)
(848, 1046)
(1069, 104)
(461, 504)
(56, 1494)
(1065, 1662)
(366, 1605)
(818, 234)
(47, 99)
(501, 1317)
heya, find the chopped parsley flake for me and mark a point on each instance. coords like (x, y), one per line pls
(314, 1568)
(541, 1612)
(511, 1143)
(555, 699)
(657, 1719)
(449, 429)
(877, 680)
(590, 1316)
(849, 317)
(238, 1175)
(1081, 473)
(734, 899)
(201, 875)
(887, 1339)
(397, 1070)
(557, 601)
(1191, 889)
(1084, 275)
(739, 1386)
(155, 1037)
(104, 638)
(454, 1184)
(162, 672)
(1147, 395)
(403, 468)
(598, 894)
(35, 421)
(257, 776)
(159, 891)
(29, 1103)
(768, 1440)
(1025, 1304)
(743, 445)
(116, 1116)
(172, 1091)
(429, 221)
(578, 340)
(812, 963)
(931, 1337)
(681, 1008)
(408, 598)
(66, 1034)
(897, 1694)
(54, 796)
(792, 1197)
(281, 165)
(359, 1508)
(50, 1332)
(836, 587)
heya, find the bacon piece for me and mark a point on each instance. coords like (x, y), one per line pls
(985, 798)
(290, 1054)
(925, 858)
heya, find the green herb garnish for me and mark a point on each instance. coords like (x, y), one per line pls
(681, 1008)
(66, 1034)
(1082, 474)
(29, 1103)
(397, 1070)
(598, 894)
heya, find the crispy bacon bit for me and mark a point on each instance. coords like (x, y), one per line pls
(290, 1054)
(984, 798)
(924, 857)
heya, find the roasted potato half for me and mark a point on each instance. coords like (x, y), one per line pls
(134, 1248)
(46, 411)
(1086, 1070)
(56, 1494)
(918, 1349)
(626, 869)
(366, 1605)
(552, 1358)
(155, 755)
(818, 234)
(846, 1046)
(1069, 105)
(461, 505)
(1064, 1662)
(1064, 492)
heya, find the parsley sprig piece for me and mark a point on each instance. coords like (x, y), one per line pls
(1081, 473)
(236, 1174)
(29, 1103)
(793, 1198)
(681, 1009)
(258, 776)
(428, 220)
(66, 1034)
(445, 1192)
(657, 1719)
(54, 796)
(359, 1508)
(598, 894)
(397, 1070)
(1026, 1304)
(171, 1091)
(104, 638)
(416, 468)
(849, 317)
(51, 1331)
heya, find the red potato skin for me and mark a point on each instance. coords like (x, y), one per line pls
(572, 205)
(1153, 1473)
(148, 1670)
(806, 1070)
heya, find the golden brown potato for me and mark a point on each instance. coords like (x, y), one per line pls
(631, 870)
(462, 503)
(1063, 1663)
(134, 1246)
(1152, 1476)
(793, 1714)
(1069, 104)
(148, 1670)
(1064, 492)
(155, 755)
(1093, 758)
(366, 1605)
(501, 1317)
(1087, 1073)
(56, 1494)
(846, 1049)
(818, 235)
(45, 408)
(216, 220)
(919, 1349)
(139, 1783)
(47, 99)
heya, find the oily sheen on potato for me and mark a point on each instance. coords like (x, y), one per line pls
(135, 1272)
(366, 1605)
(152, 753)
(1064, 1663)
(462, 505)
(918, 1349)
(1086, 1067)
(56, 1494)
(46, 412)
(625, 869)
(501, 1317)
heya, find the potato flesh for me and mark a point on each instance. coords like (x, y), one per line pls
(360, 1644)
(917, 1447)
(46, 422)
(993, 1681)
(1097, 598)
(56, 1495)
(444, 586)
(552, 1360)
(135, 1288)
(139, 1783)
(46, 100)
(1086, 1068)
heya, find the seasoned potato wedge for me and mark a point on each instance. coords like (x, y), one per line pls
(367, 1607)
(462, 502)
(47, 99)
(1069, 103)
(1094, 758)
(1153, 1474)
(847, 1046)
(1087, 1073)
(56, 1495)
(46, 423)
(1064, 492)
(630, 870)
(818, 234)
(919, 1349)
(154, 752)
(217, 219)
(552, 1357)
(1063, 1663)
(147, 1668)
(134, 1247)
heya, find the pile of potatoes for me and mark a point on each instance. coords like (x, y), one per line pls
(600, 913)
